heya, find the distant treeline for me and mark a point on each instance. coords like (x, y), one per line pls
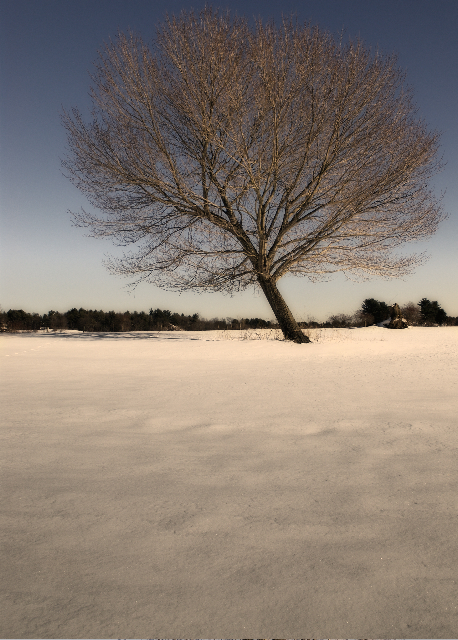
(93, 320)
(425, 313)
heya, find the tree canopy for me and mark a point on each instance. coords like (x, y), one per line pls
(231, 156)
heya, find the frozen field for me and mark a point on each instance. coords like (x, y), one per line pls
(187, 485)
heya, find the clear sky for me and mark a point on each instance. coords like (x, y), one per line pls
(47, 49)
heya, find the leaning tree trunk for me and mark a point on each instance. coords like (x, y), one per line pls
(285, 318)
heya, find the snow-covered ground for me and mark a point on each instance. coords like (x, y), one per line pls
(210, 485)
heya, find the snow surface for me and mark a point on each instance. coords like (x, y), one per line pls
(210, 485)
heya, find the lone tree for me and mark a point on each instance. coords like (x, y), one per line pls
(234, 155)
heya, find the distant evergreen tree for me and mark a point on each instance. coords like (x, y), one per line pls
(160, 319)
(255, 323)
(54, 320)
(20, 320)
(431, 312)
(378, 310)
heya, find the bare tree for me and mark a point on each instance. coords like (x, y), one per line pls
(234, 155)
(411, 313)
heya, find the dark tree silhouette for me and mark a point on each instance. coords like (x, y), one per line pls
(378, 310)
(431, 312)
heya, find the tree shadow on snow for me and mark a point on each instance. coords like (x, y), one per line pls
(114, 335)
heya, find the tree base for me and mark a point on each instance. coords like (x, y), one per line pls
(291, 330)
(298, 337)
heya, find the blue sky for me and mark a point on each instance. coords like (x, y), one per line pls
(47, 48)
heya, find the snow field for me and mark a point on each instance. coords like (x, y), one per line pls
(195, 485)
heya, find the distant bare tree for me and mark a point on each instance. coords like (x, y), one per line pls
(235, 155)
(363, 319)
(411, 313)
(340, 320)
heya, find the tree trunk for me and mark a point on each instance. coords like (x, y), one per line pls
(285, 319)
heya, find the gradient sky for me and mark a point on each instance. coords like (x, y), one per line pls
(47, 49)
